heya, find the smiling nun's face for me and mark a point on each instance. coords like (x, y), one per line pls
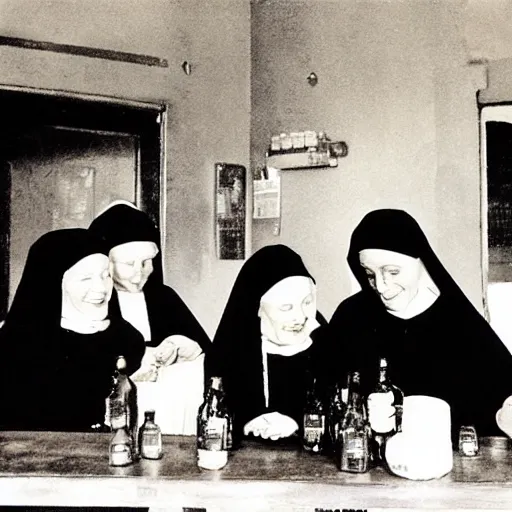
(288, 306)
(86, 288)
(395, 277)
(132, 264)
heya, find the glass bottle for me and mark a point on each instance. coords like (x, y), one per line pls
(314, 431)
(383, 422)
(354, 434)
(122, 408)
(224, 412)
(337, 408)
(150, 437)
(468, 441)
(120, 450)
(214, 436)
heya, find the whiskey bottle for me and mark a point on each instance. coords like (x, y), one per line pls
(337, 408)
(354, 434)
(122, 410)
(213, 428)
(314, 421)
(385, 405)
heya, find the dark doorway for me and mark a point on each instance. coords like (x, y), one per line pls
(62, 161)
(499, 194)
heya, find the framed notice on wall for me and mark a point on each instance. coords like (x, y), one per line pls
(73, 197)
(230, 211)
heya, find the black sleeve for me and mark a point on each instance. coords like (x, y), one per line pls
(169, 315)
(321, 360)
(344, 338)
(128, 342)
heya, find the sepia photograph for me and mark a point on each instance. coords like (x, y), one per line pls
(255, 255)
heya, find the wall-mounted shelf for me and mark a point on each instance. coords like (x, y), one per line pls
(301, 160)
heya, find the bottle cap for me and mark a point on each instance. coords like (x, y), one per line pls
(216, 383)
(121, 363)
(356, 377)
(149, 414)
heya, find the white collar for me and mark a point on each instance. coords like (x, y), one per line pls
(85, 327)
(269, 347)
(134, 309)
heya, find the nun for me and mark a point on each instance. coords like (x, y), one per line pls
(411, 311)
(268, 346)
(58, 345)
(171, 332)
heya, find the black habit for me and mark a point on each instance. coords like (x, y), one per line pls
(236, 354)
(53, 378)
(167, 313)
(449, 351)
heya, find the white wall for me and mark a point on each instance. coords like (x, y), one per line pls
(396, 84)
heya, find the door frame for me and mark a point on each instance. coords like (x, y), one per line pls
(488, 112)
(160, 109)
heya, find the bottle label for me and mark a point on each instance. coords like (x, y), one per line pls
(381, 412)
(469, 448)
(354, 452)
(117, 413)
(215, 434)
(151, 445)
(120, 455)
(314, 428)
(315, 421)
(355, 447)
(212, 459)
(151, 452)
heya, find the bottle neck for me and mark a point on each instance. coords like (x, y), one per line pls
(121, 364)
(216, 384)
(354, 391)
(354, 399)
(149, 418)
(383, 375)
(213, 397)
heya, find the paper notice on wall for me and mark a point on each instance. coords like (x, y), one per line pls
(74, 196)
(267, 198)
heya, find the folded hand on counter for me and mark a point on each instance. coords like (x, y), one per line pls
(272, 425)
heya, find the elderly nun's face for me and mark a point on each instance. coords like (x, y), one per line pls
(132, 264)
(86, 288)
(394, 276)
(287, 307)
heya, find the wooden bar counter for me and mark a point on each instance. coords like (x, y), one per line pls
(71, 469)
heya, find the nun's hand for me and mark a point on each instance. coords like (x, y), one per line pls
(148, 371)
(272, 425)
(188, 349)
(146, 374)
(166, 353)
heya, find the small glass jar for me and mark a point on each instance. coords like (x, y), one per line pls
(468, 441)
(150, 437)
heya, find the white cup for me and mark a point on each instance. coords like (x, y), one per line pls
(423, 450)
